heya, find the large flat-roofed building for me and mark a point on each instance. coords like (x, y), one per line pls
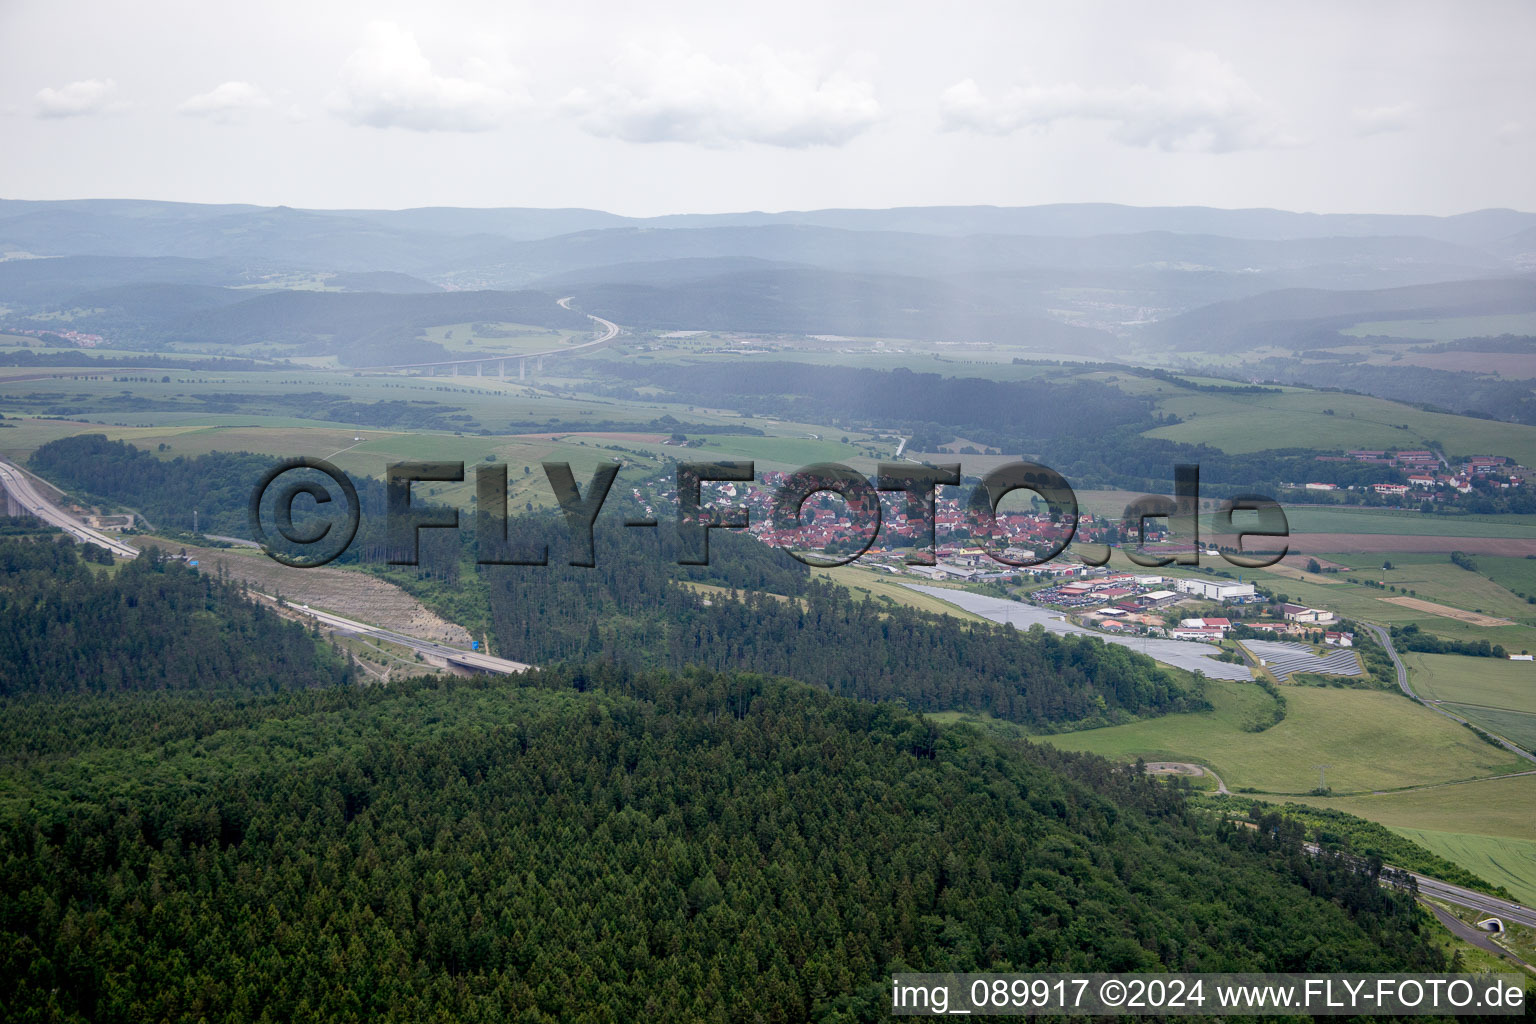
(1215, 590)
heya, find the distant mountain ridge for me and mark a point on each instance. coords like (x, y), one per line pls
(1062, 277)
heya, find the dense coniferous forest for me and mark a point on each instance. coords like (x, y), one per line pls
(781, 620)
(597, 844)
(165, 491)
(153, 624)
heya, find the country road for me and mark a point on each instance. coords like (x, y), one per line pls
(1385, 638)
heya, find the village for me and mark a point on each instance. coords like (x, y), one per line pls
(1198, 609)
(1427, 475)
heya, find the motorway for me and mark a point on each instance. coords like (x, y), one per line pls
(457, 655)
(18, 484)
(24, 491)
(610, 331)
(1402, 681)
(1501, 909)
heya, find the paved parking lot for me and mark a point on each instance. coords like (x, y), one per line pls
(1285, 659)
(1196, 657)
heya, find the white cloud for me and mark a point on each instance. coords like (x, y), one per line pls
(389, 83)
(672, 93)
(1509, 133)
(79, 99)
(1380, 120)
(1205, 107)
(227, 104)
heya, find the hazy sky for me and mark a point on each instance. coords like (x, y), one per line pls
(677, 107)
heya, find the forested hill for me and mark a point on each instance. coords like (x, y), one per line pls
(153, 624)
(594, 844)
(631, 607)
(765, 612)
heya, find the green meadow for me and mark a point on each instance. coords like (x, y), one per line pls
(1370, 740)
(1298, 418)
(1507, 862)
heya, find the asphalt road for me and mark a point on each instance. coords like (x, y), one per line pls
(1402, 681)
(16, 482)
(610, 331)
(457, 655)
(1196, 657)
(26, 492)
(1494, 907)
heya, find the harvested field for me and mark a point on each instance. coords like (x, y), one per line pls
(1446, 611)
(354, 595)
(1288, 568)
(1300, 562)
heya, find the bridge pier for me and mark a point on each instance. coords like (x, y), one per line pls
(12, 506)
(479, 369)
(522, 369)
(503, 369)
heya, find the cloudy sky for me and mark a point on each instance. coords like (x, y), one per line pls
(675, 107)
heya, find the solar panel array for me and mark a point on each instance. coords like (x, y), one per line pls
(1286, 659)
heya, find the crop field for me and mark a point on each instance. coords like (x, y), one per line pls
(1251, 423)
(1491, 682)
(1447, 612)
(950, 359)
(488, 400)
(1449, 328)
(1370, 740)
(1497, 694)
(1516, 574)
(1516, 726)
(786, 453)
(1436, 578)
(1502, 861)
(1486, 826)
(1315, 519)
